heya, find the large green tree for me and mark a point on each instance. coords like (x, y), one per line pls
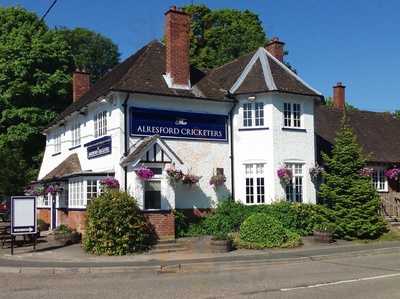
(35, 68)
(91, 51)
(219, 36)
(396, 114)
(351, 196)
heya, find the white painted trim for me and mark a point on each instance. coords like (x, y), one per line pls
(269, 79)
(291, 72)
(170, 82)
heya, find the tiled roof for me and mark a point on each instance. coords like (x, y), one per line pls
(69, 166)
(376, 132)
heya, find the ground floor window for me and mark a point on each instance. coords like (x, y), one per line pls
(255, 183)
(81, 191)
(43, 201)
(294, 190)
(379, 180)
(152, 195)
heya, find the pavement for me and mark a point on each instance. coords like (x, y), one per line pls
(52, 260)
(352, 277)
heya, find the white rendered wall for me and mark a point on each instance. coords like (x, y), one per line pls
(199, 157)
(273, 146)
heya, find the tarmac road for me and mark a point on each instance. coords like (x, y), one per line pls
(372, 276)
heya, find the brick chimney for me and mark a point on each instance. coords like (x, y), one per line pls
(177, 26)
(275, 48)
(339, 98)
(80, 84)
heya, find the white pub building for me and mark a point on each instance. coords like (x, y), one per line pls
(244, 120)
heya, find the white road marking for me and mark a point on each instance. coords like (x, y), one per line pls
(341, 282)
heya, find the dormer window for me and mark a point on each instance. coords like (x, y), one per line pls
(292, 115)
(253, 114)
(100, 124)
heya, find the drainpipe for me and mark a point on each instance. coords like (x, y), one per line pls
(125, 105)
(229, 95)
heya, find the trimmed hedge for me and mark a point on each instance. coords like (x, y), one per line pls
(116, 226)
(229, 215)
(263, 230)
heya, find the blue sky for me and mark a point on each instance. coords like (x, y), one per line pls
(354, 41)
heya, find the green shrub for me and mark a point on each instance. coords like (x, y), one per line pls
(181, 224)
(62, 229)
(229, 215)
(116, 226)
(264, 231)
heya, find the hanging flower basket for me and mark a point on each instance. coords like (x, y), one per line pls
(285, 175)
(217, 180)
(316, 172)
(393, 173)
(34, 190)
(110, 183)
(174, 175)
(366, 172)
(144, 173)
(190, 179)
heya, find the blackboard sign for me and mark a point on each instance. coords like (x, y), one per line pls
(176, 124)
(23, 215)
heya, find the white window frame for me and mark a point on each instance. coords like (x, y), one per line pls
(292, 115)
(379, 180)
(255, 183)
(43, 201)
(298, 177)
(155, 178)
(100, 124)
(78, 191)
(253, 115)
(57, 143)
(76, 134)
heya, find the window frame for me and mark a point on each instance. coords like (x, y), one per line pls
(80, 200)
(380, 185)
(255, 189)
(100, 124)
(76, 134)
(292, 189)
(292, 115)
(253, 115)
(57, 143)
(156, 178)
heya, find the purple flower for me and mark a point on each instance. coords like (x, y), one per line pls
(284, 174)
(110, 182)
(144, 173)
(393, 173)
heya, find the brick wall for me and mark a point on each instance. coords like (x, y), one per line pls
(73, 219)
(163, 223)
(44, 214)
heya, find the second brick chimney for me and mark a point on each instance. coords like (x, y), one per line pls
(339, 97)
(80, 84)
(275, 48)
(177, 27)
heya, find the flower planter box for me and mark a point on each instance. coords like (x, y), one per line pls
(220, 246)
(323, 236)
(67, 239)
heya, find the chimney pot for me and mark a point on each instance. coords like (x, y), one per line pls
(275, 48)
(80, 84)
(177, 27)
(339, 97)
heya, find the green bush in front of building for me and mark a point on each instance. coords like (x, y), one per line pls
(261, 230)
(229, 215)
(116, 226)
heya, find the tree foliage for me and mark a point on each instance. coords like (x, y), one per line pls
(219, 36)
(91, 51)
(35, 68)
(396, 114)
(349, 107)
(352, 197)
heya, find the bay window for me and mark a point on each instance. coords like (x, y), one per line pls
(81, 191)
(255, 183)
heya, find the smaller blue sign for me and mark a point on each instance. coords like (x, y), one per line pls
(99, 147)
(177, 124)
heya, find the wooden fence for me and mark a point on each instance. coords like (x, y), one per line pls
(391, 204)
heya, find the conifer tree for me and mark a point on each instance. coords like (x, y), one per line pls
(351, 196)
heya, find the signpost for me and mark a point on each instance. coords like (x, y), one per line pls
(23, 218)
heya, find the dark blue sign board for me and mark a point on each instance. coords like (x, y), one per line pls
(23, 215)
(176, 124)
(99, 147)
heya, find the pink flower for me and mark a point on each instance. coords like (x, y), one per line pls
(110, 182)
(393, 173)
(144, 173)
